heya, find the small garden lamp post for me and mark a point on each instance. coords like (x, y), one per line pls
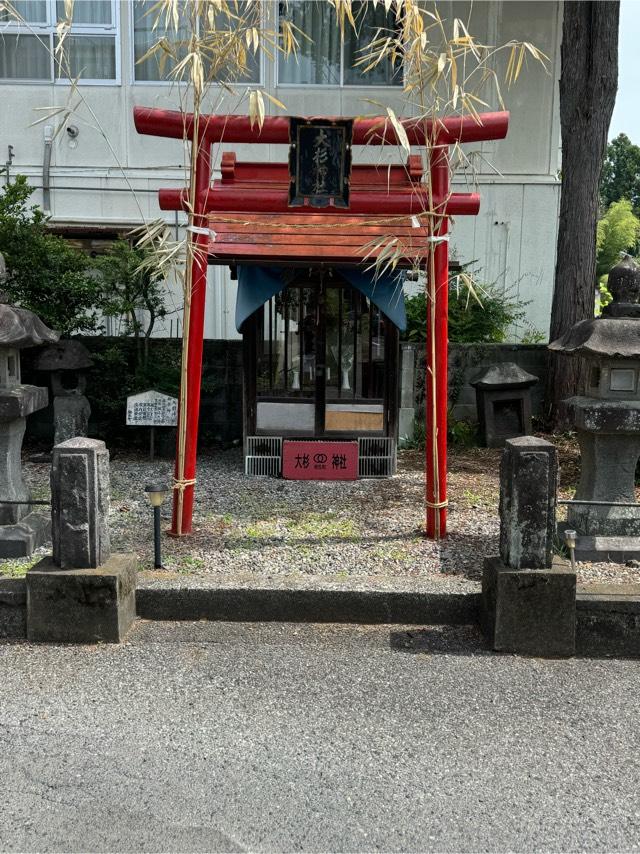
(570, 538)
(156, 495)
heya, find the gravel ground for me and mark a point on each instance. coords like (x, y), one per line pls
(266, 528)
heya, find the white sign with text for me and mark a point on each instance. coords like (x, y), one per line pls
(152, 409)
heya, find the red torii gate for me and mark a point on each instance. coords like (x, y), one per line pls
(266, 194)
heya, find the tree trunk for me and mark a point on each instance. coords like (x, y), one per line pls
(588, 86)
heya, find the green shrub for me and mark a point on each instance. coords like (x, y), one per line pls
(470, 321)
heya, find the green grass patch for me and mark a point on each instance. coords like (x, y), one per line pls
(391, 552)
(321, 526)
(185, 565)
(17, 568)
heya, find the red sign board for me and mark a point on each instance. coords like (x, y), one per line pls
(319, 460)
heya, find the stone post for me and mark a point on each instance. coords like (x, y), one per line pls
(528, 483)
(80, 503)
(528, 593)
(83, 594)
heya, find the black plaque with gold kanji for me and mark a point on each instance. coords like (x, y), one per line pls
(320, 162)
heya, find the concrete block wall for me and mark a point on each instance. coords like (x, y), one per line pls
(221, 399)
(467, 360)
(221, 407)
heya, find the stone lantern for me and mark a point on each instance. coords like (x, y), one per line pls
(503, 401)
(607, 421)
(21, 531)
(67, 362)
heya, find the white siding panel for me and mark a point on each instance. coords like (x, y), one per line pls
(221, 305)
(538, 253)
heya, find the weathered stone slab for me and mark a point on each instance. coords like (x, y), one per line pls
(81, 605)
(528, 483)
(530, 611)
(607, 549)
(80, 503)
(70, 417)
(23, 538)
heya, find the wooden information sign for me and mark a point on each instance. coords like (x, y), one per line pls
(319, 460)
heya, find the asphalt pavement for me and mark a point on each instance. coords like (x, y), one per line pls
(283, 737)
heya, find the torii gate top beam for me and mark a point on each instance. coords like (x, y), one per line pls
(275, 129)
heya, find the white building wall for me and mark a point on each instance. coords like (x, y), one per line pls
(112, 174)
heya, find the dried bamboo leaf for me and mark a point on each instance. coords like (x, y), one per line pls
(401, 133)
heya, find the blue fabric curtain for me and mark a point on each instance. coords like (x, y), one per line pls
(256, 285)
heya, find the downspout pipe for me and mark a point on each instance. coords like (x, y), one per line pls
(46, 169)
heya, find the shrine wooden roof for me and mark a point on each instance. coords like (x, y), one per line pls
(320, 237)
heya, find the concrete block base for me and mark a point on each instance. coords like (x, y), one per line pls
(13, 598)
(23, 538)
(608, 620)
(607, 549)
(81, 605)
(530, 611)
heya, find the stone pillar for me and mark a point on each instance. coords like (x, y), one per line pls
(83, 594)
(528, 484)
(528, 593)
(21, 530)
(607, 473)
(12, 485)
(407, 414)
(80, 503)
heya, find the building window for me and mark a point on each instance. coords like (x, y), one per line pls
(89, 51)
(156, 69)
(323, 59)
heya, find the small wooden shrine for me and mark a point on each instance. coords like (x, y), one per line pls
(320, 325)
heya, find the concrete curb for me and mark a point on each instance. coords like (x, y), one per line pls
(608, 620)
(608, 616)
(246, 604)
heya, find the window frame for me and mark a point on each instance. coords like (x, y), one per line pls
(333, 86)
(47, 31)
(260, 83)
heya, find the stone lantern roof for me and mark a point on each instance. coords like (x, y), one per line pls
(615, 335)
(66, 355)
(20, 327)
(505, 374)
(609, 337)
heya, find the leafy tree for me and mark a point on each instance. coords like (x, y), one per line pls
(44, 273)
(618, 231)
(132, 288)
(621, 173)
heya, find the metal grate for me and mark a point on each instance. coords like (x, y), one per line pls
(263, 456)
(377, 457)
